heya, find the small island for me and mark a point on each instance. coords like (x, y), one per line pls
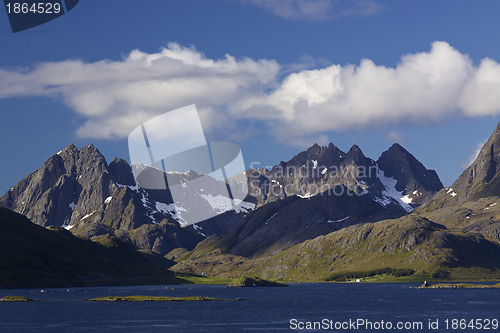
(254, 282)
(17, 299)
(138, 298)
(426, 285)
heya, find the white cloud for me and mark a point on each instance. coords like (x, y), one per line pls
(423, 87)
(318, 10)
(481, 95)
(116, 96)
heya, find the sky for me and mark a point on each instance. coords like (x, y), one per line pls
(273, 76)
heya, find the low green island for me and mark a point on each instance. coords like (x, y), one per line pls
(138, 298)
(16, 299)
(426, 285)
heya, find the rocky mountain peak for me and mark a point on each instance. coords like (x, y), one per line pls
(328, 156)
(78, 190)
(482, 177)
(69, 150)
(413, 179)
(480, 180)
(121, 171)
(355, 156)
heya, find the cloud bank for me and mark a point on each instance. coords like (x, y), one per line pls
(116, 96)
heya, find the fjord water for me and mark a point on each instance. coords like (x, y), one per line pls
(265, 310)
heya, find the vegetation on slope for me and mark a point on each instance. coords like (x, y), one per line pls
(253, 282)
(410, 243)
(50, 257)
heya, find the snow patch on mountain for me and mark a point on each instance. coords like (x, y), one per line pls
(199, 229)
(218, 203)
(306, 196)
(269, 219)
(243, 206)
(88, 215)
(333, 221)
(172, 210)
(451, 192)
(391, 193)
(406, 199)
(134, 188)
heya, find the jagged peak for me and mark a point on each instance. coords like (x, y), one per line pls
(397, 150)
(89, 147)
(314, 150)
(355, 156)
(92, 151)
(397, 146)
(354, 151)
(354, 148)
(328, 155)
(317, 150)
(410, 173)
(69, 149)
(118, 160)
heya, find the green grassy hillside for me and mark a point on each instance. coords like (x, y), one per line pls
(411, 243)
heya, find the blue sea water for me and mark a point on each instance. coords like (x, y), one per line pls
(272, 309)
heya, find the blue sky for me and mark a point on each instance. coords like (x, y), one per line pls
(273, 76)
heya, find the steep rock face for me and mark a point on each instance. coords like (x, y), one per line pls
(48, 195)
(284, 223)
(78, 190)
(397, 178)
(322, 190)
(480, 180)
(414, 181)
(316, 170)
(120, 170)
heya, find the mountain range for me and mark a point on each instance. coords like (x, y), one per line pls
(453, 234)
(322, 212)
(79, 191)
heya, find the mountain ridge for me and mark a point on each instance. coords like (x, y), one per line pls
(316, 199)
(481, 179)
(453, 236)
(78, 190)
